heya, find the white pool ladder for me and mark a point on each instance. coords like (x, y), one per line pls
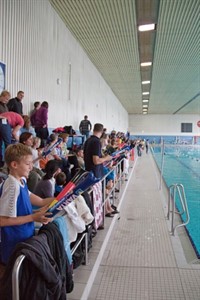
(175, 189)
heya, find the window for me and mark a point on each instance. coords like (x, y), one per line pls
(186, 127)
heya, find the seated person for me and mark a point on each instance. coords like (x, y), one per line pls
(27, 126)
(55, 155)
(46, 186)
(35, 174)
(80, 157)
(60, 183)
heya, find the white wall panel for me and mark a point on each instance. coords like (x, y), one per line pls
(37, 49)
(162, 124)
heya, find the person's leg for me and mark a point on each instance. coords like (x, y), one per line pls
(42, 133)
(5, 138)
(87, 134)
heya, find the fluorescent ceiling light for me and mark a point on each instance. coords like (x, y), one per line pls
(146, 64)
(144, 112)
(145, 93)
(145, 100)
(147, 27)
(146, 82)
(144, 105)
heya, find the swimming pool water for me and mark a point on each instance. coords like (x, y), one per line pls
(182, 165)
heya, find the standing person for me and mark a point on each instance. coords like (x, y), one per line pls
(147, 145)
(93, 154)
(85, 127)
(16, 215)
(4, 98)
(40, 121)
(16, 123)
(94, 162)
(15, 104)
(37, 105)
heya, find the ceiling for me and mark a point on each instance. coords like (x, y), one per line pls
(108, 32)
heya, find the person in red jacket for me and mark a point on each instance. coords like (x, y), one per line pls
(10, 124)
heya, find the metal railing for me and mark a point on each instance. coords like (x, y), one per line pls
(20, 258)
(174, 190)
(15, 277)
(118, 183)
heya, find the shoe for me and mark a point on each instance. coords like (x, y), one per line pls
(94, 232)
(114, 207)
(109, 215)
(111, 197)
(116, 190)
(115, 212)
(100, 227)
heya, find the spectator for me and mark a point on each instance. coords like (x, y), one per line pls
(40, 121)
(16, 215)
(35, 174)
(16, 123)
(27, 126)
(60, 183)
(4, 98)
(80, 157)
(85, 127)
(92, 152)
(147, 145)
(37, 105)
(15, 104)
(46, 186)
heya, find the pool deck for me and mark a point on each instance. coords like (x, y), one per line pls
(135, 257)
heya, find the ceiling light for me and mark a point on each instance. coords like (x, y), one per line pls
(145, 100)
(144, 112)
(144, 105)
(146, 64)
(147, 27)
(146, 82)
(145, 93)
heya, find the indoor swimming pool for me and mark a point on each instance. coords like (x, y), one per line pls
(181, 165)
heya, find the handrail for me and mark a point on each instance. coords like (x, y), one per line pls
(173, 190)
(162, 164)
(15, 277)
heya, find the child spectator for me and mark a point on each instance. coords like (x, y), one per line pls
(80, 157)
(35, 174)
(36, 151)
(27, 126)
(60, 183)
(16, 215)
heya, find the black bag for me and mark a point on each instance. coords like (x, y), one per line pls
(69, 130)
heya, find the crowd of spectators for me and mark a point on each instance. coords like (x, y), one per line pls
(40, 173)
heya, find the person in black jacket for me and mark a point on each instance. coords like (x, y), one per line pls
(15, 104)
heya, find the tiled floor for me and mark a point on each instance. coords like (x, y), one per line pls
(135, 257)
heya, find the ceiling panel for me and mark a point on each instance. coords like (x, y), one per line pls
(107, 30)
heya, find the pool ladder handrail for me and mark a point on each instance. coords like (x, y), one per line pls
(173, 189)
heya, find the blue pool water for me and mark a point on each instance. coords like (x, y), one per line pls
(182, 165)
